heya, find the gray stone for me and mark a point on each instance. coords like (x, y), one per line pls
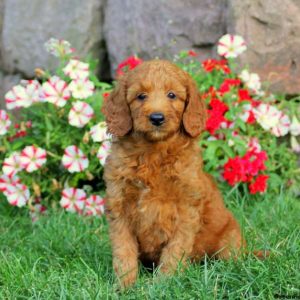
(162, 27)
(28, 24)
(272, 31)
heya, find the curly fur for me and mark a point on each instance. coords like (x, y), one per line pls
(162, 207)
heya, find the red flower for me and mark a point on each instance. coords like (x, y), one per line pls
(234, 171)
(215, 115)
(128, 64)
(212, 64)
(227, 84)
(105, 95)
(259, 185)
(244, 96)
(192, 53)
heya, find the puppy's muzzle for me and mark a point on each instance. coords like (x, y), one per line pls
(157, 119)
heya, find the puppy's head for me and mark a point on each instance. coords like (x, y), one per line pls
(156, 99)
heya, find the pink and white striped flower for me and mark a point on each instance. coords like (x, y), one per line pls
(58, 47)
(6, 181)
(73, 199)
(76, 69)
(272, 119)
(4, 122)
(231, 46)
(74, 160)
(82, 88)
(56, 91)
(103, 152)
(23, 95)
(17, 194)
(80, 114)
(99, 132)
(94, 206)
(12, 164)
(32, 158)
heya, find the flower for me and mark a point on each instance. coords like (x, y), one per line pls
(227, 84)
(248, 114)
(251, 80)
(56, 91)
(128, 64)
(192, 53)
(76, 69)
(295, 145)
(99, 132)
(81, 88)
(12, 164)
(32, 158)
(213, 64)
(6, 181)
(231, 46)
(36, 210)
(23, 95)
(259, 185)
(103, 152)
(215, 115)
(73, 199)
(4, 122)
(272, 119)
(94, 206)
(74, 159)
(17, 194)
(80, 114)
(58, 47)
(295, 127)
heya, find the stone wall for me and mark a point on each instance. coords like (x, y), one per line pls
(113, 29)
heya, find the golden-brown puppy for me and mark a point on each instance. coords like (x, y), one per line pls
(161, 206)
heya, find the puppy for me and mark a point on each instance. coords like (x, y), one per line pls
(162, 207)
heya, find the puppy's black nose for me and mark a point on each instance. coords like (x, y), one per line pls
(157, 119)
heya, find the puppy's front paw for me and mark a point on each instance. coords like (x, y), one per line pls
(126, 271)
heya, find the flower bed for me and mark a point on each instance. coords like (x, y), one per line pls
(54, 154)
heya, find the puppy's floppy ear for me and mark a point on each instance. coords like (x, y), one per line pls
(194, 116)
(116, 110)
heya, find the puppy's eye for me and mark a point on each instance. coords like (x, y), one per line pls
(171, 95)
(141, 96)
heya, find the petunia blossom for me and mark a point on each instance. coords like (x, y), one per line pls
(295, 145)
(76, 69)
(23, 95)
(74, 160)
(6, 181)
(56, 91)
(12, 164)
(82, 88)
(58, 47)
(231, 46)
(73, 199)
(4, 122)
(103, 152)
(94, 206)
(32, 158)
(18, 194)
(251, 80)
(80, 114)
(272, 119)
(99, 132)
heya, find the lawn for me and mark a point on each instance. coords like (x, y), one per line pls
(65, 256)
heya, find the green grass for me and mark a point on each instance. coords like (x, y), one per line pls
(65, 256)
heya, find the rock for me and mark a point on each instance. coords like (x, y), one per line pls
(272, 31)
(6, 83)
(162, 27)
(28, 24)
